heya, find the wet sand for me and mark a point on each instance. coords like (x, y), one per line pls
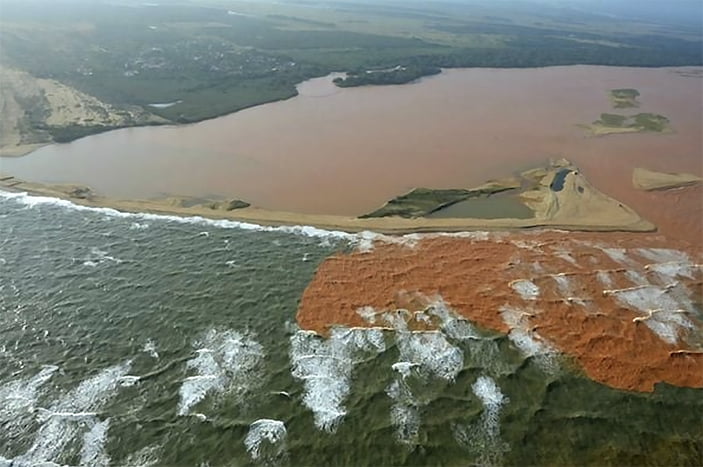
(346, 151)
(586, 295)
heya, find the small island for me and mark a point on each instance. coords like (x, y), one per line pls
(609, 124)
(624, 98)
(650, 180)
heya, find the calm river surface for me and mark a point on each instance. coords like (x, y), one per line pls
(346, 151)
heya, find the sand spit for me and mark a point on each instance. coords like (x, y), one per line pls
(573, 205)
(650, 180)
(626, 307)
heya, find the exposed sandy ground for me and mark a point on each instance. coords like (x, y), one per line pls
(27, 102)
(625, 307)
(644, 179)
(578, 206)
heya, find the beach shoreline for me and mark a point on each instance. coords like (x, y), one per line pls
(83, 196)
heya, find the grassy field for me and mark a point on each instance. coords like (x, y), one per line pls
(215, 56)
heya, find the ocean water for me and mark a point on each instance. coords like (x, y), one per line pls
(150, 340)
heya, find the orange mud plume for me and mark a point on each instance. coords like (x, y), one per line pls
(625, 307)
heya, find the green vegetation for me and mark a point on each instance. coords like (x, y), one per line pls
(217, 56)
(424, 201)
(396, 75)
(624, 98)
(639, 123)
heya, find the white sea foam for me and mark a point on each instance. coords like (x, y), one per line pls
(482, 437)
(145, 457)
(405, 412)
(325, 367)
(636, 277)
(530, 344)
(663, 255)
(619, 255)
(565, 255)
(488, 392)
(367, 313)
(266, 432)
(93, 451)
(404, 368)
(527, 244)
(226, 362)
(662, 311)
(69, 417)
(17, 401)
(526, 288)
(451, 324)
(563, 284)
(426, 354)
(669, 271)
(605, 279)
(32, 201)
(432, 353)
(150, 348)
(406, 420)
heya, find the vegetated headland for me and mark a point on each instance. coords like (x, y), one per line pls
(73, 69)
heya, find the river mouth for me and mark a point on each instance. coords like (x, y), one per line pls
(346, 151)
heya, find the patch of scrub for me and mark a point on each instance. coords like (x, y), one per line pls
(227, 362)
(266, 440)
(75, 414)
(482, 437)
(325, 367)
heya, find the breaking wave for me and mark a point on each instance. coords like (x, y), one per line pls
(482, 436)
(325, 367)
(73, 415)
(266, 440)
(226, 362)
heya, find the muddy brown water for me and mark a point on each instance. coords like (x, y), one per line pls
(346, 151)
